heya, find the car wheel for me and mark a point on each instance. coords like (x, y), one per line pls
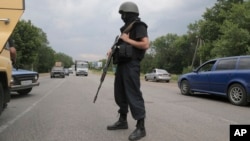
(146, 79)
(24, 91)
(185, 87)
(237, 95)
(155, 79)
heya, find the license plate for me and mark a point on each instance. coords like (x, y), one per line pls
(26, 82)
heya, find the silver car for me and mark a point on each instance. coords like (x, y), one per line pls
(158, 75)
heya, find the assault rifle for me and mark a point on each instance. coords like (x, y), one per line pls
(105, 69)
(113, 49)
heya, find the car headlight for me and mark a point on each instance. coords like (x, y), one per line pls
(12, 80)
(36, 77)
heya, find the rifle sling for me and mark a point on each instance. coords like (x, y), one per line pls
(128, 28)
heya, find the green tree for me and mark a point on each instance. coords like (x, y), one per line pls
(65, 59)
(46, 59)
(29, 39)
(225, 29)
(234, 41)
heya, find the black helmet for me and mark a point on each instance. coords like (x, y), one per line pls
(129, 7)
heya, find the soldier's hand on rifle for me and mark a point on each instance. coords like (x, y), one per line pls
(125, 37)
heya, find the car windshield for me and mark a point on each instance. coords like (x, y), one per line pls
(162, 71)
(82, 65)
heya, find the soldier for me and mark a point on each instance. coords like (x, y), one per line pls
(10, 45)
(127, 78)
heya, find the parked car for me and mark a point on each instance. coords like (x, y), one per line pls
(23, 81)
(57, 72)
(158, 75)
(229, 77)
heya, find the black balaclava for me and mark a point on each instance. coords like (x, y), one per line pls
(129, 17)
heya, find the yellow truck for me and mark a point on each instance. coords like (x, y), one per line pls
(10, 13)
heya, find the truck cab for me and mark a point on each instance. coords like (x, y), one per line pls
(10, 13)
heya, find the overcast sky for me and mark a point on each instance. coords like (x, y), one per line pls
(86, 29)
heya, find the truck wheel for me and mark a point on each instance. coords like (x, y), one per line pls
(1, 98)
(155, 79)
(237, 95)
(185, 87)
(24, 91)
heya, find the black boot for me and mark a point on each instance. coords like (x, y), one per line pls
(120, 124)
(139, 132)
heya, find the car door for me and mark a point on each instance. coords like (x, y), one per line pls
(201, 78)
(222, 74)
(152, 74)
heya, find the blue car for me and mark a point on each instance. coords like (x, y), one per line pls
(23, 81)
(228, 76)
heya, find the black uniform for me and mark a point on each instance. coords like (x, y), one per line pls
(127, 77)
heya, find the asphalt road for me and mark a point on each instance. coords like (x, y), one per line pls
(63, 110)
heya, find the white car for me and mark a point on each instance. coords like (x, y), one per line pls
(158, 75)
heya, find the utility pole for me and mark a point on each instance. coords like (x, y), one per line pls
(198, 44)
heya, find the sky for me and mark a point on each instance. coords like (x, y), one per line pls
(86, 29)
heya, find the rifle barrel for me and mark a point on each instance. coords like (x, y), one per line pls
(97, 92)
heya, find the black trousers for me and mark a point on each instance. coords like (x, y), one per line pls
(127, 89)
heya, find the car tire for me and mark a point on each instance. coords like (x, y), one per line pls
(146, 79)
(237, 95)
(24, 91)
(155, 79)
(185, 87)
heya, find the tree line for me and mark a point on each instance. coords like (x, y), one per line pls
(222, 31)
(33, 50)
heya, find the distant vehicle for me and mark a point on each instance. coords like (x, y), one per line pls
(228, 77)
(66, 71)
(71, 70)
(58, 64)
(158, 75)
(23, 81)
(81, 67)
(57, 72)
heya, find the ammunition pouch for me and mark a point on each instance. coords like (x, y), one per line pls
(123, 53)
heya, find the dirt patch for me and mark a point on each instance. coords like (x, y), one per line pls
(43, 74)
